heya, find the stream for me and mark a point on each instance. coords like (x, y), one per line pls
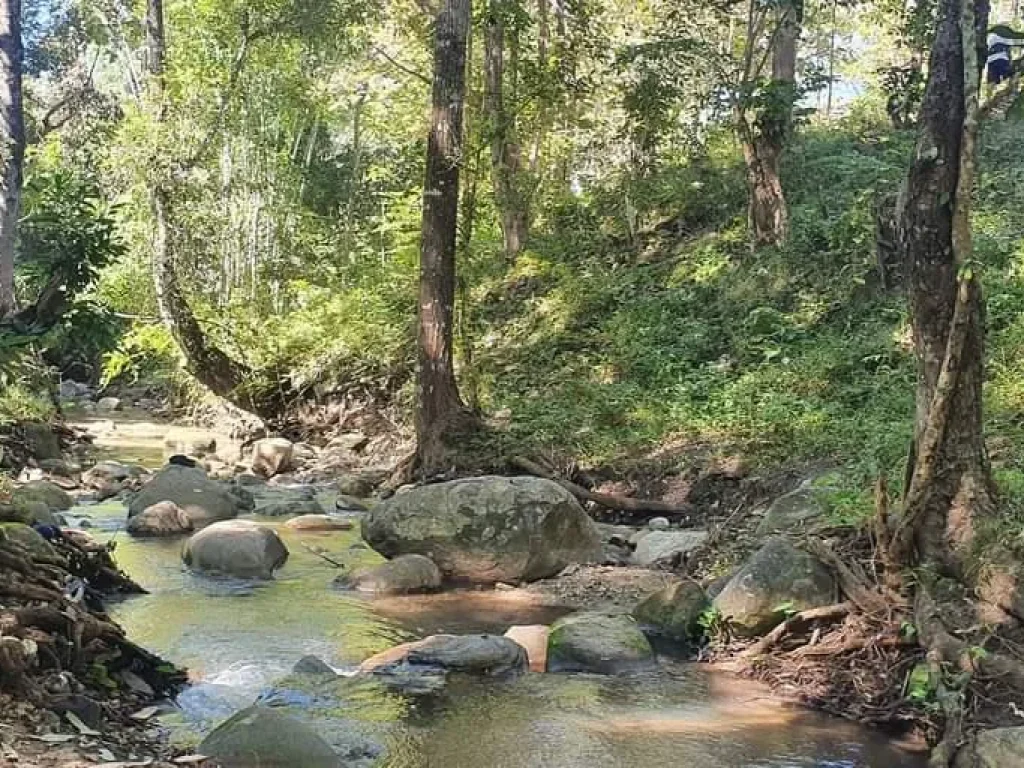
(240, 641)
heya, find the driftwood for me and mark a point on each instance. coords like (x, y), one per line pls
(606, 500)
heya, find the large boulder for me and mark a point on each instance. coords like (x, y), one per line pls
(675, 611)
(487, 529)
(667, 546)
(204, 501)
(484, 655)
(236, 548)
(272, 456)
(405, 575)
(260, 736)
(778, 579)
(28, 538)
(596, 642)
(43, 491)
(995, 748)
(165, 518)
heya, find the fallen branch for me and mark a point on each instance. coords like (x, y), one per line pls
(855, 586)
(797, 620)
(606, 500)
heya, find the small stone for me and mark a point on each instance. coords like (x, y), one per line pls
(659, 524)
(108, 404)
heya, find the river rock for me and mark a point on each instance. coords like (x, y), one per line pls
(272, 456)
(236, 548)
(319, 523)
(345, 503)
(607, 644)
(794, 510)
(28, 538)
(260, 736)
(675, 611)
(486, 529)
(110, 472)
(290, 508)
(534, 640)
(38, 512)
(43, 491)
(313, 666)
(203, 500)
(659, 524)
(165, 518)
(360, 486)
(666, 546)
(484, 655)
(777, 579)
(108, 404)
(41, 441)
(995, 748)
(405, 575)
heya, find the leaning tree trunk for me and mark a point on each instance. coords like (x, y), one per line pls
(12, 152)
(222, 375)
(764, 142)
(506, 153)
(950, 486)
(441, 415)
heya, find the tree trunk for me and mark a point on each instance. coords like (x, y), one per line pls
(764, 142)
(12, 136)
(223, 376)
(506, 153)
(950, 486)
(441, 416)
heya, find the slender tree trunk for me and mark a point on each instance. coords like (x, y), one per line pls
(211, 366)
(764, 141)
(506, 153)
(12, 149)
(441, 416)
(950, 487)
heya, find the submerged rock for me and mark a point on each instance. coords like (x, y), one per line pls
(313, 666)
(596, 642)
(484, 655)
(260, 736)
(405, 575)
(675, 611)
(236, 548)
(778, 579)
(290, 508)
(165, 518)
(203, 500)
(487, 529)
(272, 456)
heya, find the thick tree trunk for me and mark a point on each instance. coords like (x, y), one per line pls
(506, 159)
(950, 486)
(12, 149)
(441, 414)
(764, 142)
(223, 376)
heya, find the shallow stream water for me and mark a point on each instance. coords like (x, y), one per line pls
(241, 639)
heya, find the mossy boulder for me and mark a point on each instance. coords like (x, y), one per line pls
(481, 655)
(596, 642)
(236, 548)
(487, 529)
(260, 736)
(777, 580)
(29, 538)
(43, 491)
(405, 575)
(675, 611)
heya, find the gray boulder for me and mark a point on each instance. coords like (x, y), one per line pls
(28, 538)
(779, 578)
(484, 655)
(995, 748)
(405, 575)
(794, 510)
(359, 486)
(264, 737)
(486, 529)
(165, 518)
(45, 492)
(675, 611)
(203, 500)
(666, 546)
(290, 508)
(597, 642)
(272, 456)
(236, 548)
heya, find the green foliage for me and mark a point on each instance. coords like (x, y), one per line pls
(145, 352)
(21, 403)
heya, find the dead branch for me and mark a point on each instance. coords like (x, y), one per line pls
(852, 580)
(795, 622)
(607, 500)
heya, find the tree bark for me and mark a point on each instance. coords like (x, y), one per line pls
(506, 153)
(950, 485)
(764, 141)
(12, 149)
(441, 415)
(213, 368)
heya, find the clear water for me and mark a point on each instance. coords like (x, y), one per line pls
(241, 639)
